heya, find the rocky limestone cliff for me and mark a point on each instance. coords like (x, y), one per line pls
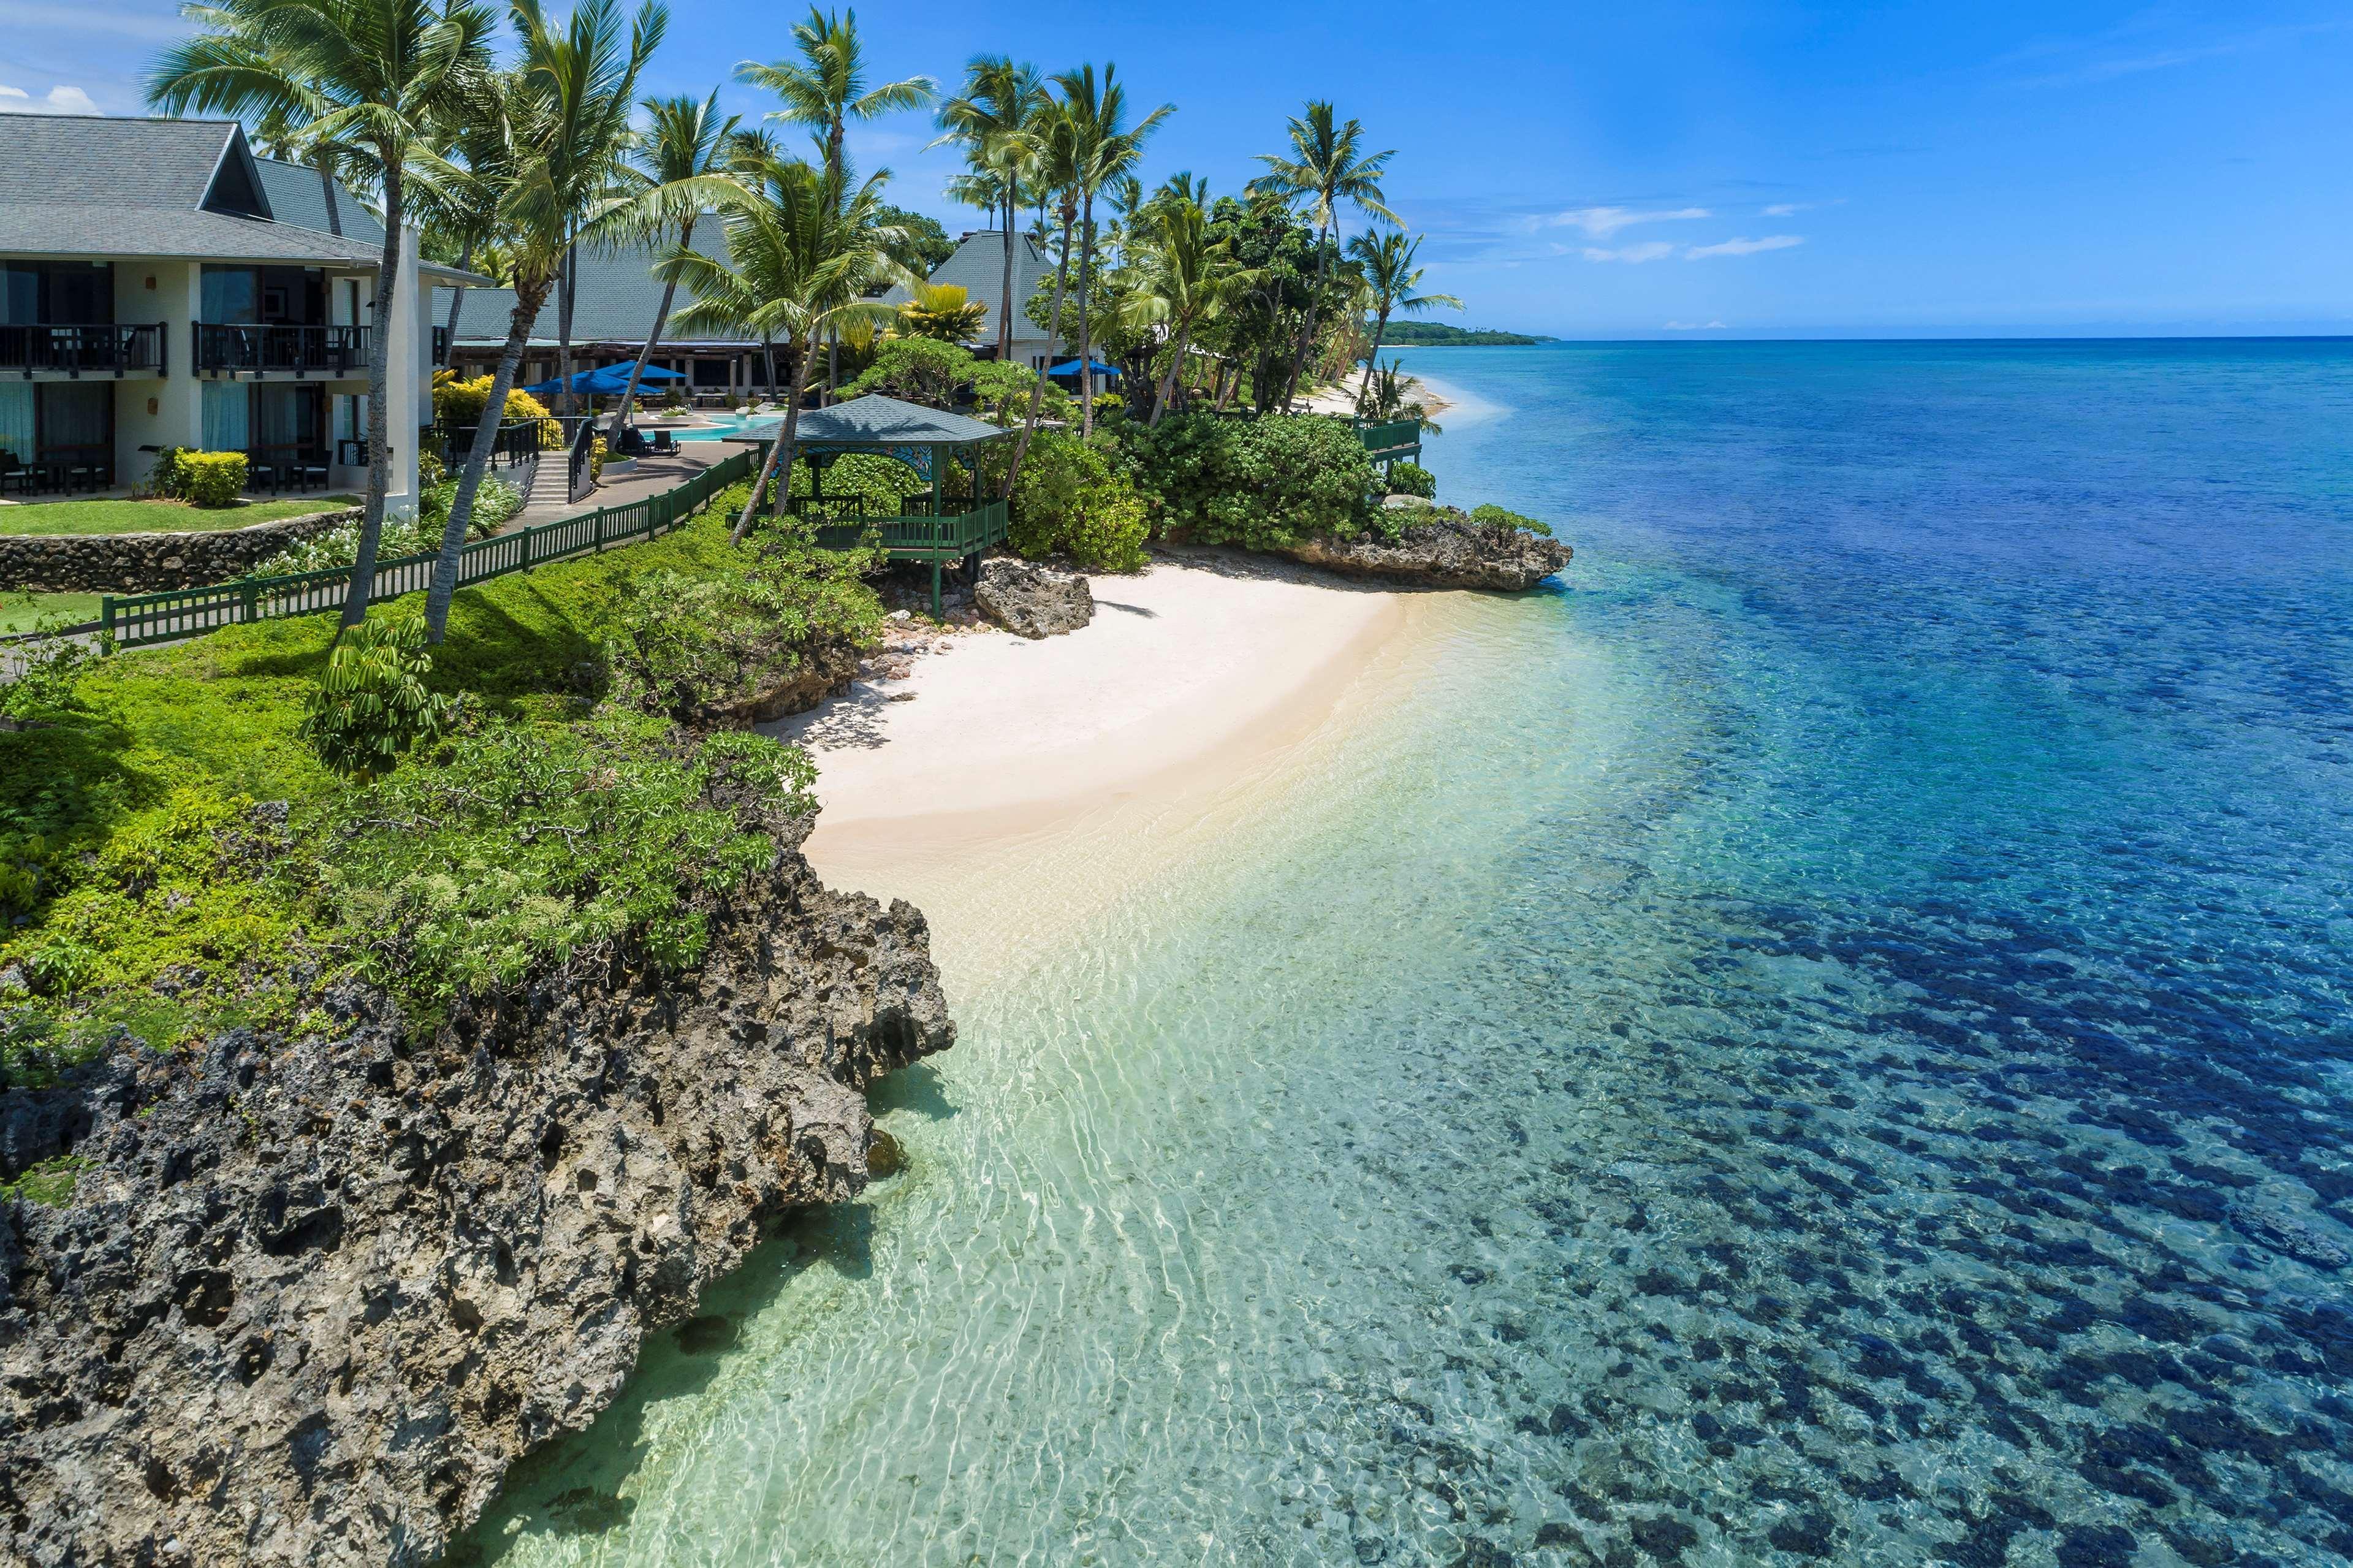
(1443, 548)
(310, 1298)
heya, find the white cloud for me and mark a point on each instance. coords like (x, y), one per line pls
(1744, 246)
(1650, 251)
(1602, 222)
(61, 100)
(1694, 326)
(1787, 208)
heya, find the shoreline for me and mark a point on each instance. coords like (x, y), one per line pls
(1200, 674)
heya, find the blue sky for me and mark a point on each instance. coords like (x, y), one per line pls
(1670, 169)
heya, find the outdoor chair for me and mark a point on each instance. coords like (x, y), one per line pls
(664, 444)
(260, 471)
(13, 470)
(310, 470)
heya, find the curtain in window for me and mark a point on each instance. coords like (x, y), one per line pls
(277, 415)
(226, 416)
(75, 416)
(231, 295)
(17, 418)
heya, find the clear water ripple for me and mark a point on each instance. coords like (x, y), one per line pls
(1827, 1041)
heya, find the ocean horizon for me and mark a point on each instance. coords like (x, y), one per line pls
(1822, 1036)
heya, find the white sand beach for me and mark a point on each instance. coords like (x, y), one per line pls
(1191, 675)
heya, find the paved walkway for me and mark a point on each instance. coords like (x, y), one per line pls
(651, 476)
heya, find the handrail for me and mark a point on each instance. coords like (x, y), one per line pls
(132, 620)
(583, 478)
(242, 346)
(74, 347)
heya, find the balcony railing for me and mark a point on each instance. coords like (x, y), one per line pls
(97, 350)
(340, 351)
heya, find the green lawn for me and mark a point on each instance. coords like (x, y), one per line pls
(23, 611)
(156, 516)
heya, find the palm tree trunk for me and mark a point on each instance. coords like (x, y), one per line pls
(1225, 388)
(444, 586)
(1315, 320)
(379, 434)
(1380, 330)
(783, 450)
(1037, 388)
(1168, 376)
(566, 293)
(661, 319)
(457, 301)
(1005, 292)
(1086, 337)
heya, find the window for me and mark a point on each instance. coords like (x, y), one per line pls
(228, 407)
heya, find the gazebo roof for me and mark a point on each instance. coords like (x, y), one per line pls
(876, 422)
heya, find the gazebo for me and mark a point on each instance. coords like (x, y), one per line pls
(927, 441)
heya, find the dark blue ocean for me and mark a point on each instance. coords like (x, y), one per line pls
(1826, 1038)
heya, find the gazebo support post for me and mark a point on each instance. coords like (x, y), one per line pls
(936, 589)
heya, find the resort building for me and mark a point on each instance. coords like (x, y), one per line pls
(616, 296)
(978, 268)
(163, 286)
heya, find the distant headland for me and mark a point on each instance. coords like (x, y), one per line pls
(1436, 334)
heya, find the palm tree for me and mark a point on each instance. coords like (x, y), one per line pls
(826, 88)
(988, 118)
(566, 124)
(1053, 141)
(1328, 167)
(354, 80)
(803, 251)
(1391, 275)
(942, 311)
(680, 155)
(1188, 278)
(1104, 149)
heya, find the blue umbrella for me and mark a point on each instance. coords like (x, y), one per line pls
(1071, 367)
(604, 381)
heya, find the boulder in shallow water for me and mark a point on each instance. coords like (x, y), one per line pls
(1033, 601)
(1443, 548)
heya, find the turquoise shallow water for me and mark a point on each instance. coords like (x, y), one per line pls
(1826, 1040)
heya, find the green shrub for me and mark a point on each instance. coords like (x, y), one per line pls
(169, 479)
(678, 643)
(881, 484)
(212, 479)
(1073, 499)
(526, 846)
(917, 370)
(1498, 517)
(1259, 483)
(1412, 479)
(371, 704)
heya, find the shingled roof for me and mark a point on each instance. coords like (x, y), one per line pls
(615, 300)
(89, 186)
(875, 421)
(978, 268)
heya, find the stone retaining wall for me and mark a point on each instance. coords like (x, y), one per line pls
(147, 563)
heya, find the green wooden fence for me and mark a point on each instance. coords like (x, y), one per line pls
(135, 619)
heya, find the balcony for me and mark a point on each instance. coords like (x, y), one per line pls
(77, 350)
(301, 350)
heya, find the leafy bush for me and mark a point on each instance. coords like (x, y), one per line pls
(917, 370)
(371, 704)
(525, 846)
(881, 484)
(169, 478)
(37, 680)
(1259, 483)
(1412, 479)
(1073, 499)
(456, 402)
(495, 503)
(678, 643)
(1497, 516)
(1001, 394)
(211, 479)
